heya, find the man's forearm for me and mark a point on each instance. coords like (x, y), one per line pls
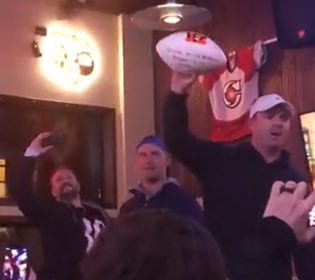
(254, 253)
(175, 117)
(21, 189)
(20, 177)
(304, 258)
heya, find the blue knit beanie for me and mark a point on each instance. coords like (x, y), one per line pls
(154, 140)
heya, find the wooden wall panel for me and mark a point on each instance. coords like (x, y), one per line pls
(235, 24)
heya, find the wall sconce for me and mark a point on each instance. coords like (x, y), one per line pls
(39, 31)
(35, 49)
(65, 58)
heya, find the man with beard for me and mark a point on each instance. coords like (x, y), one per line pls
(155, 190)
(68, 226)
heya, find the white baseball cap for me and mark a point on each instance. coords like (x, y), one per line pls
(266, 102)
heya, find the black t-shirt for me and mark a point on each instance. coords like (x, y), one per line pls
(236, 185)
(67, 232)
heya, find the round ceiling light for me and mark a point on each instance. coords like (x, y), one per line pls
(171, 16)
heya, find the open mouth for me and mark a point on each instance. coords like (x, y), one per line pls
(275, 134)
(67, 190)
(67, 187)
(150, 168)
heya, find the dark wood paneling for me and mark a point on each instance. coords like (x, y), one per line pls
(290, 73)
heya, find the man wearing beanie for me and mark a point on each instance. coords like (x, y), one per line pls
(155, 189)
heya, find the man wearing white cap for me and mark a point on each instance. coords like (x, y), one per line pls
(270, 119)
(269, 101)
(257, 241)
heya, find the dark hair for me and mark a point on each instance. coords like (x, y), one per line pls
(154, 245)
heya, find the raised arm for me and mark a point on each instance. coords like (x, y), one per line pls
(21, 181)
(200, 156)
(284, 225)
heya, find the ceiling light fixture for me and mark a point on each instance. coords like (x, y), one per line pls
(171, 16)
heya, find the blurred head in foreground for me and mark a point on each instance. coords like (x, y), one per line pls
(154, 245)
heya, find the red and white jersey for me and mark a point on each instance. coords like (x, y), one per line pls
(232, 90)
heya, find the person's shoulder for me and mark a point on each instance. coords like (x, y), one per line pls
(188, 197)
(130, 204)
(181, 193)
(187, 204)
(290, 173)
(129, 201)
(96, 210)
(294, 174)
(242, 149)
(92, 205)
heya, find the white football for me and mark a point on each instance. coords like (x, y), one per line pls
(190, 52)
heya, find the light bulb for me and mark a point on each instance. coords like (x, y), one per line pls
(172, 18)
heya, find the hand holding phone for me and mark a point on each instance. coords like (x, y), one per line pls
(44, 142)
(35, 148)
(292, 203)
(56, 140)
(311, 217)
(289, 187)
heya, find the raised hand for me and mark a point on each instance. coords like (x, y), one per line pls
(181, 83)
(35, 148)
(289, 202)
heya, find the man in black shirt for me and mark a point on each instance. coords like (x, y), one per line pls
(237, 182)
(68, 226)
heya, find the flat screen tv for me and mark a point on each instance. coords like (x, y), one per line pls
(307, 121)
(15, 265)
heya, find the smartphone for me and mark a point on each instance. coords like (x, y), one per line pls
(15, 263)
(311, 217)
(311, 214)
(57, 140)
